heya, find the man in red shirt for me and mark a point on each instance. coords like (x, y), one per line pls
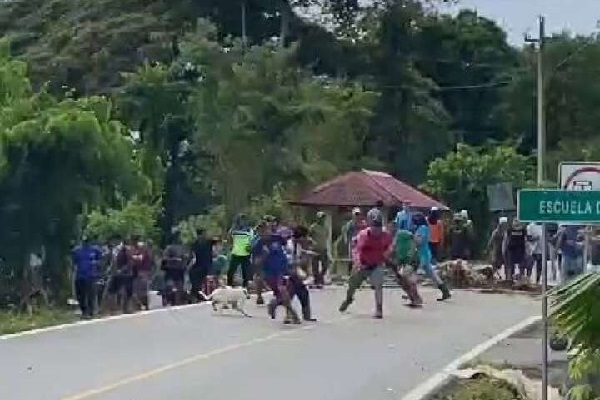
(373, 246)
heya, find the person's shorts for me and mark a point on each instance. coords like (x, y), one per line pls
(376, 275)
(120, 283)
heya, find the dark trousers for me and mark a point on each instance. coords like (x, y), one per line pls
(197, 276)
(299, 289)
(319, 273)
(85, 292)
(242, 262)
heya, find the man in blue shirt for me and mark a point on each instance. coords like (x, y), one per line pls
(275, 268)
(404, 218)
(86, 260)
(570, 242)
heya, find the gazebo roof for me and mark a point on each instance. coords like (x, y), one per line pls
(363, 189)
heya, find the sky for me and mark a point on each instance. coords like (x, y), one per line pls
(517, 17)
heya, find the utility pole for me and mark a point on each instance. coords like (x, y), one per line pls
(244, 37)
(541, 149)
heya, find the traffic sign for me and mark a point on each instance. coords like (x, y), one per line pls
(542, 205)
(579, 175)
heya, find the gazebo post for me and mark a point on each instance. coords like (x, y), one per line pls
(329, 224)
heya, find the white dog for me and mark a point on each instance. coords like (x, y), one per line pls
(225, 296)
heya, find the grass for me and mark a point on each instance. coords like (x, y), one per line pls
(13, 322)
(480, 388)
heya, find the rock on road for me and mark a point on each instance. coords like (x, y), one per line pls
(189, 354)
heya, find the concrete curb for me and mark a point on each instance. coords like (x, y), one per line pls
(442, 378)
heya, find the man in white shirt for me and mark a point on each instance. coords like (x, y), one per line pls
(534, 244)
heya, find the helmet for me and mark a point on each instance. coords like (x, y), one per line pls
(375, 217)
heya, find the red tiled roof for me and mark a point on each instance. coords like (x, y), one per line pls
(363, 189)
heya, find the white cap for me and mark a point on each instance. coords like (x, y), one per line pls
(503, 220)
(355, 210)
(464, 214)
(434, 208)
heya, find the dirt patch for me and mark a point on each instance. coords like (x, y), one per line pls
(478, 388)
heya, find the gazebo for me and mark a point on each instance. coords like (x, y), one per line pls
(364, 189)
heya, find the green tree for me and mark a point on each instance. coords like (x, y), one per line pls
(57, 156)
(462, 176)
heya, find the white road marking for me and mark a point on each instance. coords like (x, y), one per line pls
(436, 381)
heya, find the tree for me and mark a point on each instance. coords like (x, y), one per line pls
(461, 177)
(469, 58)
(57, 156)
(571, 96)
(264, 121)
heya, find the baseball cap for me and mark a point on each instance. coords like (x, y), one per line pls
(356, 211)
(375, 217)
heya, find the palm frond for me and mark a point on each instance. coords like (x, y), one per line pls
(575, 310)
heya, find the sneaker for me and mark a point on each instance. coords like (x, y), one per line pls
(344, 306)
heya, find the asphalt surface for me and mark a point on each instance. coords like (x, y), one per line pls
(190, 353)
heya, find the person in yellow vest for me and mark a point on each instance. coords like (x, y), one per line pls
(241, 234)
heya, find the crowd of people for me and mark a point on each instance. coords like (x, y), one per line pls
(269, 255)
(517, 248)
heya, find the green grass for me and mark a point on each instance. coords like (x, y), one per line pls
(481, 388)
(13, 322)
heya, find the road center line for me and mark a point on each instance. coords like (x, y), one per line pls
(200, 357)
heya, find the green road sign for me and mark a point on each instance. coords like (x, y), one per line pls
(542, 205)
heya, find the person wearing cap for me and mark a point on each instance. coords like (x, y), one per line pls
(373, 247)
(350, 230)
(426, 261)
(494, 244)
(299, 255)
(436, 227)
(201, 263)
(241, 235)
(320, 235)
(534, 251)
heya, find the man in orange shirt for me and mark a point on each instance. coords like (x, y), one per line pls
(436, 228)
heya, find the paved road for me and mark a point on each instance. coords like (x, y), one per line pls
(190, 354)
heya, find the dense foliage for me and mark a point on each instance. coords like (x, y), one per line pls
(161, 111)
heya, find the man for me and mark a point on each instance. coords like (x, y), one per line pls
(241, 235)
(515, 249)
(276, 271)
(534, 242)
(426, 261)
(570, 242)
(350, 230)
(436, 228)
(373, 246)
(459, 238)
(86, 260)
(404, 218)
(174, 266)
(201, 263)
(403, 252)
(141, 262)
(320, 235)
(120, 287)
(495, 245)
(299, 254)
